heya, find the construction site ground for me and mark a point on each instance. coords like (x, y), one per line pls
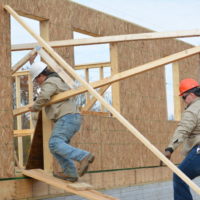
(154, 191)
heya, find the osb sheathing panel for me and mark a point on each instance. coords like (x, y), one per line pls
(6, 122)
(7, 190)
(115, 147)
(143, 98)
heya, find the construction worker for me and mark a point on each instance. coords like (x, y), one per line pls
(67, 121)
(188, 133)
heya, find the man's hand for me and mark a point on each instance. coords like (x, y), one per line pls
(32, 109)
(167, 154)
(32, 58)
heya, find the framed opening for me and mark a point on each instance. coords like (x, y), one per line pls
(92, 63)
(172, 91)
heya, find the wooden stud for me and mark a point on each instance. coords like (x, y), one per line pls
(20, 63)
(115, 70)
(44, 29)
(19, 120)
(101, 76)
(87, 79)
(177, 104)
(90, 103)
(115, 113)
(47, 123)
(30, 98)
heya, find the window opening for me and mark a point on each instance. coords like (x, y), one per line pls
(92, 62)
(169, 91)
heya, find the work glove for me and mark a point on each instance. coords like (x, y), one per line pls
(168, 153)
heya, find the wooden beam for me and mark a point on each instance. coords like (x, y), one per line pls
(23, 132)
(93, 65)
(117, 77)
(30, 99)
(115, 69)
(176, 81)
(47, 123)
(88, 112)
(19, 120)
(115, 113)
(20, 63)
(44, 29)
(21, 73)
(112, 39)
(90, 103)
(101, 76)
(34, 17)
(39, 174)
(51, 62)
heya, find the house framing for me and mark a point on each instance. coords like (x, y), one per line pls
(139, 99)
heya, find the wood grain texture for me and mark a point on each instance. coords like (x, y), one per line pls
(142, 97)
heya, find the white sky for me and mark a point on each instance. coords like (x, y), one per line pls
(158, 15)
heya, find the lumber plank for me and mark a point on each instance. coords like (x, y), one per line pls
(115, 69)
(103, 114)
(112, 39)
(117, 77)
(20, 63)
(80, 186)
(51, 62)
(90, 103)
(115, 113)
(19, 120)
(177, 103)
(23, 132)
(92, 65)
(21, 73)
(75, 188)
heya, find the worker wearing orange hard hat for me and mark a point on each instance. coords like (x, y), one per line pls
(188, 134)
(187, 84)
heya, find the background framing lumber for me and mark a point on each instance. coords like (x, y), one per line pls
(116, 114)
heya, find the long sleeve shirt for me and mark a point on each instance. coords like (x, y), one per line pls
(188, 130)
(54, 85)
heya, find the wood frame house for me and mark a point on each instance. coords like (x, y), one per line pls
(127, 140)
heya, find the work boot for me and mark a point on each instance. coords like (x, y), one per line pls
(61, 175)
(84, 164)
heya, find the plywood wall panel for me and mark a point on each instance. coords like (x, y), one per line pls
(97, 180)
(6, 137)
(142, 97)
(23, 189)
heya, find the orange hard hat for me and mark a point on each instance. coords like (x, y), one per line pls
(187, 84)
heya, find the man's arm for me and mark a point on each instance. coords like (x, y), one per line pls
(47, 91)
(184, 129)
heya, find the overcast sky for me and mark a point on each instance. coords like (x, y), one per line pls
(158, 15)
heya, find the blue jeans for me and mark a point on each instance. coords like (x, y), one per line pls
(64, 129)
(191, 167)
